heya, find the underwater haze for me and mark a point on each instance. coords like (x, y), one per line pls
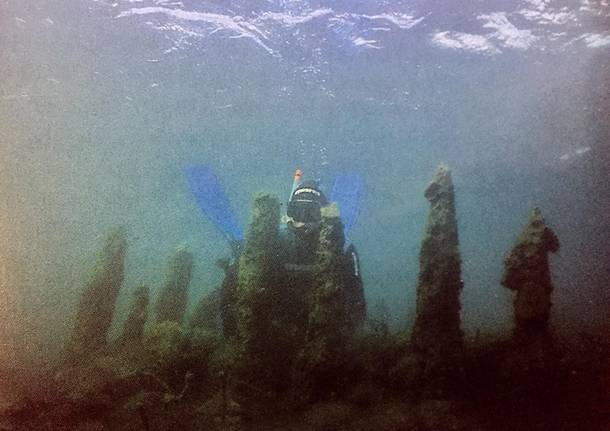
(102, 104)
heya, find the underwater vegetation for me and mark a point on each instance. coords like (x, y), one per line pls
(96, 307)
(276, 349)
(257, 290)
(207, 312)
(133, 328)
(528, 273)
(436, 338)
(172, 299)
(329, 326)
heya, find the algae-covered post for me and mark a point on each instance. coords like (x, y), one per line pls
(96, 306)
(173, 296)
(133, 328)
(436, 334)
(527, 272)
(257, 292)
(227, 298)
(207, 312)
(329, 324)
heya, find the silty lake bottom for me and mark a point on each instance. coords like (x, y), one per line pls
(465, 146)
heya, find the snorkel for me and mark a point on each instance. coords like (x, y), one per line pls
(295, 182)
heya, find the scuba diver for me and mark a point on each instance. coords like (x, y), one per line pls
(299, 235)
(302, 221)
(303, 211)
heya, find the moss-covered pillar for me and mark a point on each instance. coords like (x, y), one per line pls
(527, 273)
(96, 306)
(207, 312)
(329, 324)
(133, 328)
(436, 333)
(228, 298)
(173, 296)
(257, 349)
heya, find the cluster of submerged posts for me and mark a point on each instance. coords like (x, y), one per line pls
(290, 339)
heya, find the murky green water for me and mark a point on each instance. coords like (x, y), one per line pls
(102, 104)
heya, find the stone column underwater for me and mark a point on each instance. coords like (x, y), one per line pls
(257, 291)
(527, 273)
(436, 339)
(96, 306)
(133, 329)
(329, 325)
(171, 303)
(206, 315)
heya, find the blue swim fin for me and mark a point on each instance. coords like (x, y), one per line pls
(346, 192)
(211, 198)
